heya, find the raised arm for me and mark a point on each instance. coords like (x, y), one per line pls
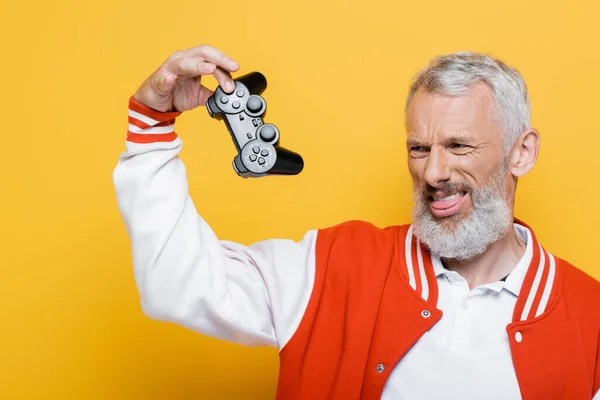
(251, 295)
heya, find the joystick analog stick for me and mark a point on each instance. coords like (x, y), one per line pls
(254, 104)
(267, 133)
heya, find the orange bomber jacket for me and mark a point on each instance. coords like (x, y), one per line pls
(375, 294)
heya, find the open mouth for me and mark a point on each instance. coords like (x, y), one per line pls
(442, 204)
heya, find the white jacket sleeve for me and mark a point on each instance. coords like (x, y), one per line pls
(185, 274)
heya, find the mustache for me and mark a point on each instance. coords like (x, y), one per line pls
(448, 187)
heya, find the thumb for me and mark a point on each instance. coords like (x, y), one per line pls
(163, 83)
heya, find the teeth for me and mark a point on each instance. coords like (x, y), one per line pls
(451, 197)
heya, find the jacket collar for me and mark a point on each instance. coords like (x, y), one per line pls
(533, 280)
(539, 285)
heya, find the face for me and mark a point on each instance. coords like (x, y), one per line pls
(463, 191)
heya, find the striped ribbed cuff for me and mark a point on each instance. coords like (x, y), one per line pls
(150, 126)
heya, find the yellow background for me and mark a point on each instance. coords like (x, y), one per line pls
(338, 72)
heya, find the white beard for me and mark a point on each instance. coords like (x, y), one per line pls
(489, 220)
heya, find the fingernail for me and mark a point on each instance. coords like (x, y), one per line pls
(229, 86)
(233, 64)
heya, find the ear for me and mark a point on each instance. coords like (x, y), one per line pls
(524, 152)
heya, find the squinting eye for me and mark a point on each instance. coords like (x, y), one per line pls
(418, 149)
(459, 146)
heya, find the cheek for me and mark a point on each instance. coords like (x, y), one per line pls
(473, 169)
(479, 172)
(415, 168)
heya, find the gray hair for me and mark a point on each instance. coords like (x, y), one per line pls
(456, 73)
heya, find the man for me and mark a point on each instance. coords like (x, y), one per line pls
(464, 303)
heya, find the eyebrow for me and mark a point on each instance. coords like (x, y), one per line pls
(459, 138)
(412, 142)
(454, 138)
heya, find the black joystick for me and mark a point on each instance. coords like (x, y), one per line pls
(257, 143)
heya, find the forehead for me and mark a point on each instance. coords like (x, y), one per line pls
(439, 114)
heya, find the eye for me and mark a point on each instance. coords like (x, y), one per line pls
(418, 151)
(460, 148)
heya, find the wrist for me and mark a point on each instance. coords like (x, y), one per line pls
(152, 101)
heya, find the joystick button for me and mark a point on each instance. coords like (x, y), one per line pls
(254, 104)
(236, 104)
(224, 99)
(267, 133)
(240, 93)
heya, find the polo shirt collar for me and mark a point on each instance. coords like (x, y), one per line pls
(514, 280)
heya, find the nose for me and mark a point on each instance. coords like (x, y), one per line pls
(437, 169)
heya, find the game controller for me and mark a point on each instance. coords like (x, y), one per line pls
(257, 143)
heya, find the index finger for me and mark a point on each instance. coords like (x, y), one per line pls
(213, 56)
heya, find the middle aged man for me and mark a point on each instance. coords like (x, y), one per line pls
(463, 303)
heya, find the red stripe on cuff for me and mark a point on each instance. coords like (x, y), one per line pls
(143, 125)
(141, 138)
(149, 112)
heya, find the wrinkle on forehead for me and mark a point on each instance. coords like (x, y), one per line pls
(437, 113)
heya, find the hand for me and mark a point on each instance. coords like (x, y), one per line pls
(176, 86)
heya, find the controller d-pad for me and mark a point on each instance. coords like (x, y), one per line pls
(258, 157)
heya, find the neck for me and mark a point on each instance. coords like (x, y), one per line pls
(495, 263)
